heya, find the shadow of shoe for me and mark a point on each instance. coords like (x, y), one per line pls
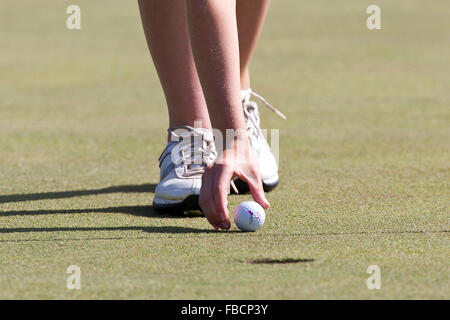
(141, 188)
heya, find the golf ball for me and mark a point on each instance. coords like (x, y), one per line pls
(249, 216)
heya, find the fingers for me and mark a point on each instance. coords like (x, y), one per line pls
(213, 195)
(256, 188)
(205, 198)
(222, 185)
(215, 186)
(257, 191)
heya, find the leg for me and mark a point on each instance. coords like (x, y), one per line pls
(250, 20)
(214, 40)
(165, 27)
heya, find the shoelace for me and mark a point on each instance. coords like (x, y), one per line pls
(252, 114)
(188, 152)
(194, 156)
(266, 103)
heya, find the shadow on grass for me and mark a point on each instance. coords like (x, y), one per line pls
(150, 229)
(141, 188)
(278, 261)
(139, 211)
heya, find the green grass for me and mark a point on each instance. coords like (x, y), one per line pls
(364, 158)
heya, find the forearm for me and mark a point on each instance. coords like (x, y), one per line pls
(214, 39)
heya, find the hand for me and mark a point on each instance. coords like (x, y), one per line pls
(237, 160)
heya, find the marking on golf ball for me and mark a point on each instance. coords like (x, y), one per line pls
(249, 216)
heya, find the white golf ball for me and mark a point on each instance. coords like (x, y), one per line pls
(249, 216)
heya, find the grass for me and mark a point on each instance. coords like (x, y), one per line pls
(364, 158)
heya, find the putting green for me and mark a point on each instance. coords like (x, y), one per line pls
(364, 158)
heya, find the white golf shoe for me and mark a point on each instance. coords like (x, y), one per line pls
(182, 164)
(266, 160)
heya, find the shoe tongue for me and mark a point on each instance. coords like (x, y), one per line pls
(196, 138)
(252, 110)
(195, 166)
(250, 105)
(196, 158)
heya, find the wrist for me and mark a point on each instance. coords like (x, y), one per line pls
(235, 137)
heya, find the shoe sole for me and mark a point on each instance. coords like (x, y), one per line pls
(188, 204)
(243, 187)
